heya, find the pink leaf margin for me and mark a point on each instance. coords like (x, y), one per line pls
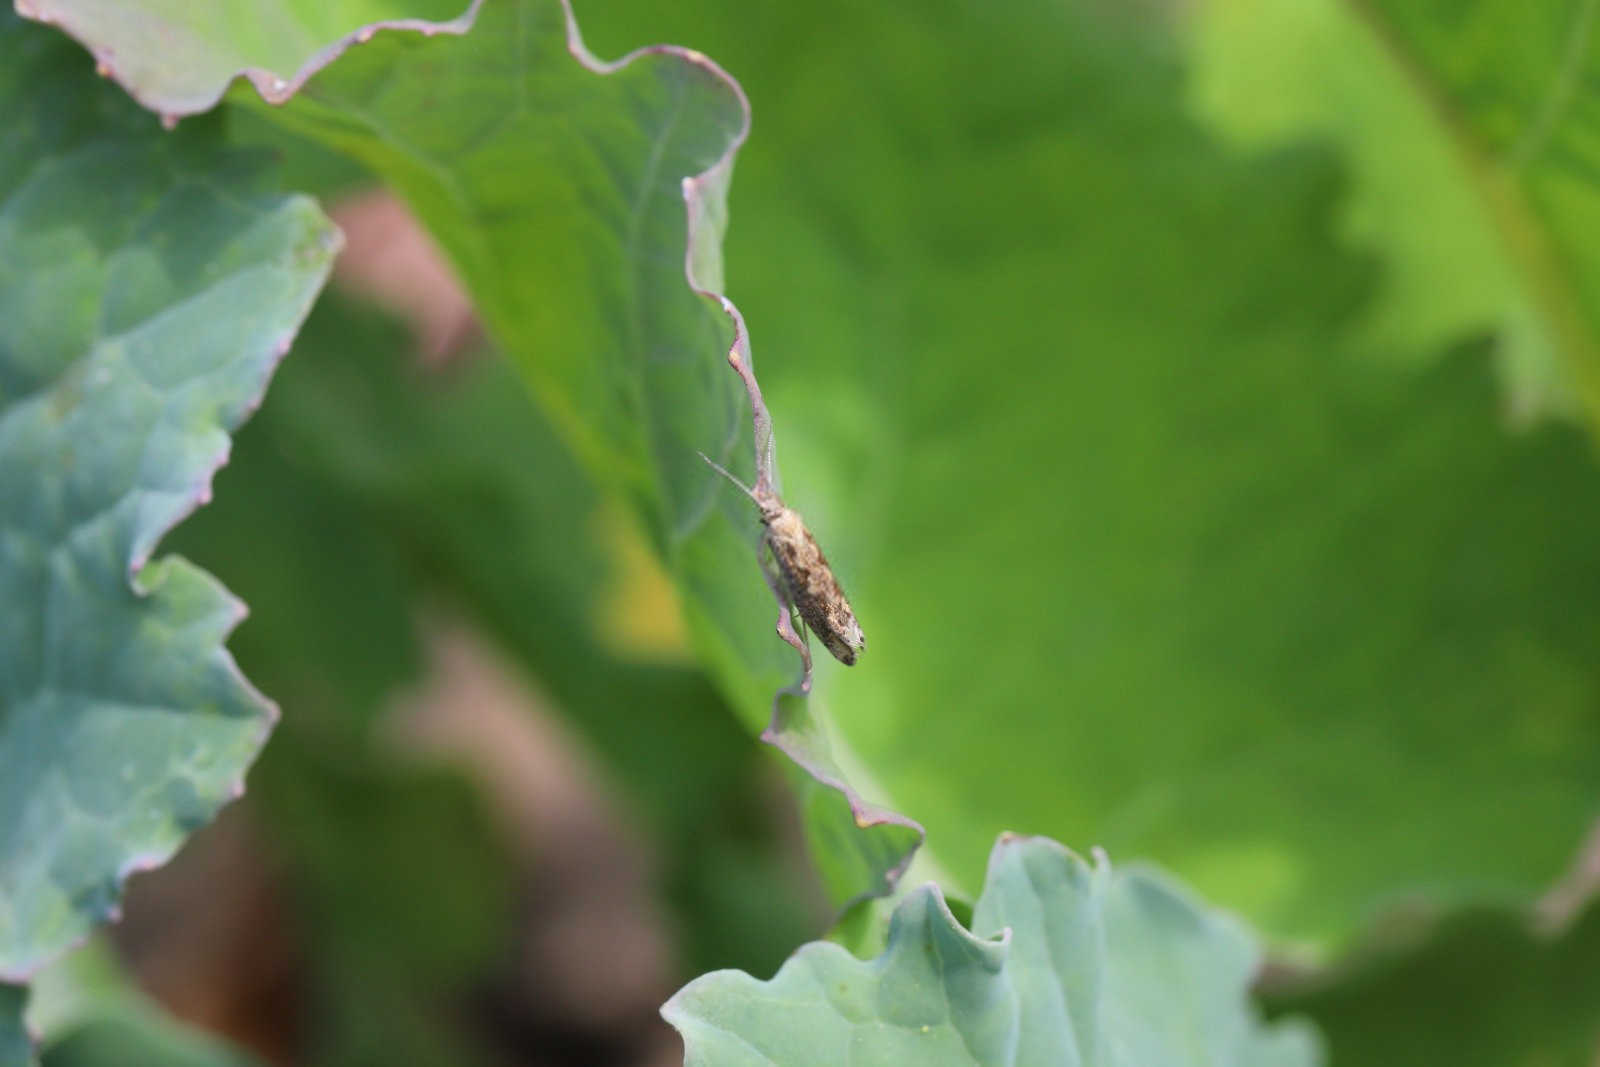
(275, 87)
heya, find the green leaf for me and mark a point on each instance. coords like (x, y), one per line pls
(90, 1014)
(558, 187)
(145, 1037)
(1065, 964)
(1152, 549)
(16, 1048)
(177, 58)
(1468, 128)
(1474, 989)
(149, 285)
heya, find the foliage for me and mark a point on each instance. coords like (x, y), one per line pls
(177, 58)
(15, 1046)
(1476, 987)
(149, 287)
(1465, 138)
(1066, 964)
(1172, 392)
(90, 1014)
(631, 372)
(369, 485)
(1167, 553)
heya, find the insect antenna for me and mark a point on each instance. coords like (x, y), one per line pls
(724, 472)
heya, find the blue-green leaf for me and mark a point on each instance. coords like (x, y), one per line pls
(149, 284)
(1065, 965)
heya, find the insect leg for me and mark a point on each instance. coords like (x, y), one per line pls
(791, 627)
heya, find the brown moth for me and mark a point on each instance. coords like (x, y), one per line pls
(807, 578)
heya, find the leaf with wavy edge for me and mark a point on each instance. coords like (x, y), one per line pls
(561, 198)
(1065, 964)
(177, 57)
(427, 165)
(1139, 532)
(148, 288)
(852, 866)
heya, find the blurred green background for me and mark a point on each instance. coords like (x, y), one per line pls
(1195, 401)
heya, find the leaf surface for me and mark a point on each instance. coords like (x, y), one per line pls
(573, 196)
(1155, 547)
(149, 286)
(16, 1049)
(90, 1013)
(1066, 964)
(178, 58)
(1470, 133)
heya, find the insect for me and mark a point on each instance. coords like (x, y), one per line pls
(807, 578)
